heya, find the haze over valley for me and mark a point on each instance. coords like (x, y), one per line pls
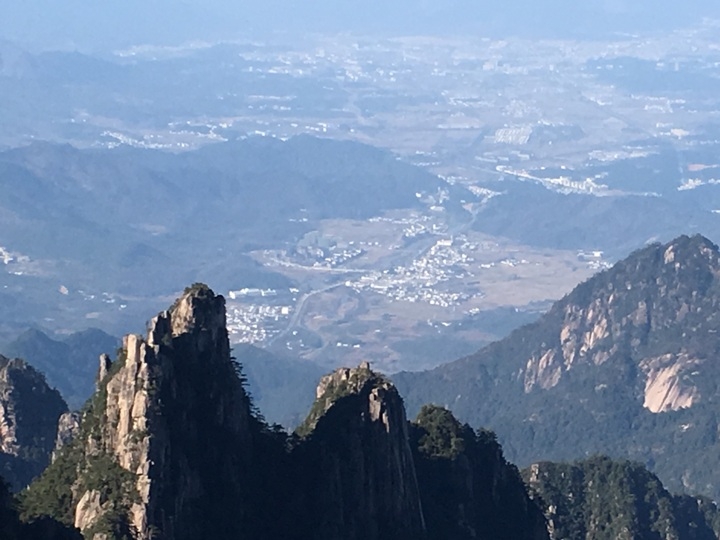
(530, 165)
(505, 215)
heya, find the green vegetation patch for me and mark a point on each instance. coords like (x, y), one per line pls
(444, 436)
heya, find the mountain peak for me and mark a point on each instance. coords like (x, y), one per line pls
(691, 250)
(344, 381)
(198, 309)
(696, 241)
(170, 406)
(339, 384)
(357, 435)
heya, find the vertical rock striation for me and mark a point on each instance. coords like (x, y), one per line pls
(626, 365)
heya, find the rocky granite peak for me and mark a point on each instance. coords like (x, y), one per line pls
(103, 369)
(669, 289)
(198, 310)
(29, 412)
(167, 432)
(341, 383)
(68, 429)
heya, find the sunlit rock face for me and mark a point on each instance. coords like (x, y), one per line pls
(625, 364)
(654, 320)
(172, 413)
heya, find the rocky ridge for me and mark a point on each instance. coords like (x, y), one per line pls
(468, 489)
(652, 292)
(145, 458)
(171, 447)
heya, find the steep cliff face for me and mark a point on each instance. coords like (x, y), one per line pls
(164, 447)
(29, 412)
(359, 476)
(626, 364)
(656, 306)
(170, 448)
(601, 499)
(468, 488)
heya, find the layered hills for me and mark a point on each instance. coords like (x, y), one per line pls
(67, 362)
(106, 234)
(626, 364)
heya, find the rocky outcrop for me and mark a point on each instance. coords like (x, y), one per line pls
(67, 430)
(359, 480)
(667, 384)
(29, 412)
(103, 370)
(659, 290)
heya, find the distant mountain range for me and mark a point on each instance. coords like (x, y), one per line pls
(134, 223)
(82, 24)
(69, 363)
(626, 364)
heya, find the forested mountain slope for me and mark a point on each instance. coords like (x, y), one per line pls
(626, 364)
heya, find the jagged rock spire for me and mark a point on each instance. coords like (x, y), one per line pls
(167, 433)
(103, 369)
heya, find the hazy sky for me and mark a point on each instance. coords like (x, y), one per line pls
(111, 23)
